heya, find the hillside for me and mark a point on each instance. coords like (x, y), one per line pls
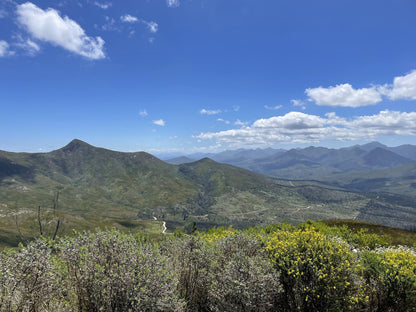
(103, 188)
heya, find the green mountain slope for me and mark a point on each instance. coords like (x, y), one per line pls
(399, 180)
(137, 191)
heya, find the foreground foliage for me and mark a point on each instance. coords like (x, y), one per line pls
(312, 267)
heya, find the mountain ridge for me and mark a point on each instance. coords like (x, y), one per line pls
(126, 189)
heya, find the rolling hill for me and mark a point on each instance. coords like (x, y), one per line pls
(137, 191)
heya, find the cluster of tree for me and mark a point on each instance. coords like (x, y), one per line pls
(273, 268)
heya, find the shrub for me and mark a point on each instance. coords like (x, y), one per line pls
(317, 273)
(242, 277)
(224, 271)
(28, 281)
(191, 261)
(110, 271)
(390, 274)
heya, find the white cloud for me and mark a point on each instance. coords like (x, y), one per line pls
(172, 3)
(152, 26)
(109, 24)
(272, 107)
(298, 103)
(225, 121)
(404, 87)
(344, 95)
(127, 18)
(159, 122)
(103, 6)
(143, 113)
(238, 122)
(209, 112)
(4, 48)
(29, 46)
(297, 127)
(49, 26)
(291, 121)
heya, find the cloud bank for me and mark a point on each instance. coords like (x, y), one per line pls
(344, 95)
(297, 127)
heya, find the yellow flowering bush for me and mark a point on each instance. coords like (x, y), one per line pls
(317, 273)
(391, 277)
(215, 234)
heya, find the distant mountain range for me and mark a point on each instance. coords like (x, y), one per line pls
(104, 188)
(312, 162)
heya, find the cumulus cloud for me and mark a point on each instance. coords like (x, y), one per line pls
(49, 26)
(344, 95)
(159, 122)
(4, 48)
(403, 87)
(172, 3)
(209, 112)
(297, 127)
(143, 113)
(127, 18)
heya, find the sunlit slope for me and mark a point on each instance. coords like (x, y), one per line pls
(103, 188)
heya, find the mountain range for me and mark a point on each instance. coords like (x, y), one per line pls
(359, 168)
(137, 191)
(312, 161)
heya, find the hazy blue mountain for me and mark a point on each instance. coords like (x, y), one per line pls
(407, 150)
(372, 145)
(314, 162)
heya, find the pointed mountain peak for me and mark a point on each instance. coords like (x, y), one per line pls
(372, 145)
(76, 145)
(206, 160)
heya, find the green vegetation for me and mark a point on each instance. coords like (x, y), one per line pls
(314, 266)
(105, 189)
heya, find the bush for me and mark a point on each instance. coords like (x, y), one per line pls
(242, 277)
(390, 274)
(317, 273)
(28, 281)
(109, 271)
(275, 268)
(224, 271)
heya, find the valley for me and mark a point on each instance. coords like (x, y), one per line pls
(100, 188)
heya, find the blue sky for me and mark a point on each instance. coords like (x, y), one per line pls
(206, 75)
